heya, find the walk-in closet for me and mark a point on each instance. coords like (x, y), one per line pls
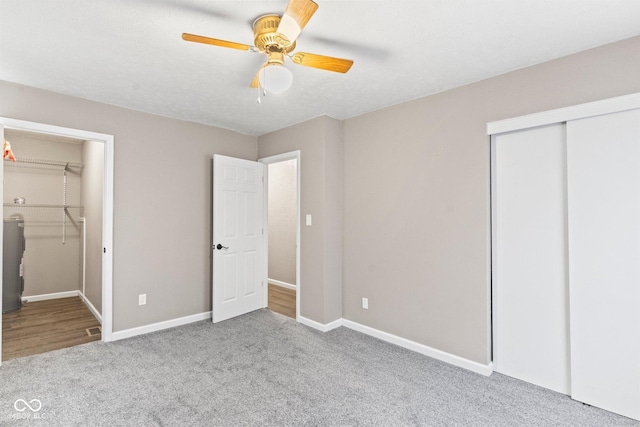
(52, 276)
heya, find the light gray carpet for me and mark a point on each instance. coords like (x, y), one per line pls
(264, 369)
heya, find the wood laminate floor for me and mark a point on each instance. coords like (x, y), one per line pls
(44, 326)
(282, 300)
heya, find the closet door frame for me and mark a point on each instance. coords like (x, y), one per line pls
(581, 111)
(107, 221)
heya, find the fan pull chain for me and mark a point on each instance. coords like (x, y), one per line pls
(261, 92)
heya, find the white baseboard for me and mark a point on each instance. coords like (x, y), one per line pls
(384, 336)
(281, 284)
(443, 356)
(320, 326)
(452, 359)
(66, 294)
(154, 327)
(56, 295)
(90, 307)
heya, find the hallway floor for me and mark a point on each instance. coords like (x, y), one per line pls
(282, 300)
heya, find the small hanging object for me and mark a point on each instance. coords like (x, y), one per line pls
(261, 93)
(7, 153)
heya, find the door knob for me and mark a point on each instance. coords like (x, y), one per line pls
(219, 246)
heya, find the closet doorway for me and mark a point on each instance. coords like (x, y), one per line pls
(60, 191)
(282, 197)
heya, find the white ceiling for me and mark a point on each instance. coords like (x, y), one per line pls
(130, 52)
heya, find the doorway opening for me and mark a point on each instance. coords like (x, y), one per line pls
(282, 199)
(60, 191)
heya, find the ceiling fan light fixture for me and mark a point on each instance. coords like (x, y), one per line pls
(275, 78)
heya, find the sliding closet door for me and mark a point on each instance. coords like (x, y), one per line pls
(529, 289)
(603, 176)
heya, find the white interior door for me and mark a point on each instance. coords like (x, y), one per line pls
(604, 260)
(238, 237)
(529, 289)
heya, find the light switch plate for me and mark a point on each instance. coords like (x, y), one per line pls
(308, 219)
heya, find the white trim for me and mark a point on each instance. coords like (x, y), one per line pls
(452, 359)
(107, 215)
(52, 130)
(425, 350)
(281, 284)
(559, 115)
(275, 159)
(320, 326)
(91, 307)
(489, 257)
(107, 239)
(55, 295)
(493, 254)
(83, 220)
(154, 327)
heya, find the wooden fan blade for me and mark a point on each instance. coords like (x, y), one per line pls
(295, 18)
(216, 42)
(301, 11)
(328, 63)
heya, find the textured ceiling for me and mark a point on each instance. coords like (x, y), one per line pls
(130, 52)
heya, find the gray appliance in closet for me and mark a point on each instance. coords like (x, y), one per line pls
(13, 248)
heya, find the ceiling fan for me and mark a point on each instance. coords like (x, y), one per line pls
(276, 36)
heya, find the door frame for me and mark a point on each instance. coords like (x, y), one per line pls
(292, 155)
(107, 208)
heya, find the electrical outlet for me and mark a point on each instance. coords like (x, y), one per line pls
(142, 299)
(365, 303)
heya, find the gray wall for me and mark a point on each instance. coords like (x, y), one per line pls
(282, 221)
(416, 199)
(162, 198)
(49, 265)
(416, 194)
(91, 197)
(320, 144)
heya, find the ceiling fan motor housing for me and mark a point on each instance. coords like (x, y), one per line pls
(266, 37)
